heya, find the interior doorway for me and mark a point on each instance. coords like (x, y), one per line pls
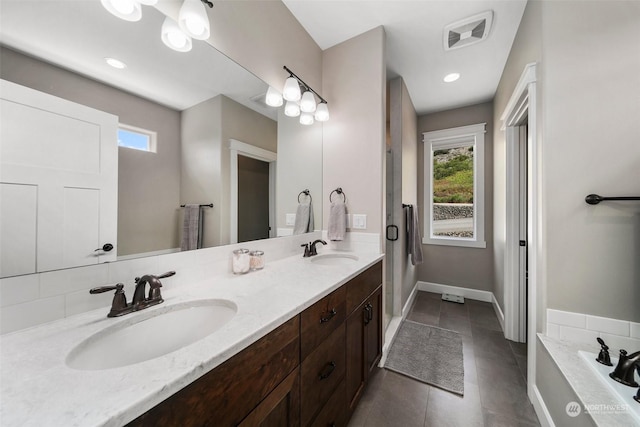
(253, 199)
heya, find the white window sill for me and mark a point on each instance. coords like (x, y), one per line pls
(448, 241)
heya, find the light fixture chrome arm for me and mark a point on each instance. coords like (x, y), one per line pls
(306, 86)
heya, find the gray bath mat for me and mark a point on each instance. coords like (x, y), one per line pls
(428, 354)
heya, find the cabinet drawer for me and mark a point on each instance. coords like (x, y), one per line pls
(334, 412)
(318, 321)
(322, 371)
(361, 286)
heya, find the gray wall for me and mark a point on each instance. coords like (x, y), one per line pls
(404, 144)
(206, 130)
(354, 83)
(452, 265)
(592, 106)
(148, 184)
(588, 92)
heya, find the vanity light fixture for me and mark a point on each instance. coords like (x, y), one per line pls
(193, 19)
(299, 101)
(449, 78)
(129, 10)
(174, 37)
(292, 109)
(273, 98)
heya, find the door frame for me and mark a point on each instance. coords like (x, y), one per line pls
(237, 148)
(521, 108)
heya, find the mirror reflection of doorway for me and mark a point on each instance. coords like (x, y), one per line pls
(253, 199)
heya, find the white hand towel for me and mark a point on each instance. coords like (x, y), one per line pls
(414, 240)
(304, 219)
(190, 227)
(337, 221)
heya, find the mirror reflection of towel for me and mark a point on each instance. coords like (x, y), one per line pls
(304, 219)
(337, 221)
(190, 227)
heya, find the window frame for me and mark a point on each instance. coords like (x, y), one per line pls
(152, 135)
(453, 138)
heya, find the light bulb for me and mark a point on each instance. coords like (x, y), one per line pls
(148, 2)
(129, 10)
(291, 109)
(308, 102)
(273, 98)
(306, 119)
(291, 91)
(193, 19)
(174, 37)
(322, 112)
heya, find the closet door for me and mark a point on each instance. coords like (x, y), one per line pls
(58, 182)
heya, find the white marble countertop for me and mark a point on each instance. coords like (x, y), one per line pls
(588, 387)
(37, 388)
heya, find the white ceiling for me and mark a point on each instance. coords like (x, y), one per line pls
(414, 30)
(78, 34)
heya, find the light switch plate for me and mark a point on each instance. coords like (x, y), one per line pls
(290, 219)
(359, 221)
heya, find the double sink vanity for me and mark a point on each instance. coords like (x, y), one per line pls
(292, 344)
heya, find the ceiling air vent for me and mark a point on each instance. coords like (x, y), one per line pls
(468, 31)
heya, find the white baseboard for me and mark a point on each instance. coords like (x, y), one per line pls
(499, 313)
(473, 294)
(539, 406)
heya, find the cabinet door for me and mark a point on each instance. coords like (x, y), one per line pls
(281, 408)
(355, 376)
(373, 330)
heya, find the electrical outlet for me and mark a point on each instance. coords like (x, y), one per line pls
(290, 219)
(359, 221)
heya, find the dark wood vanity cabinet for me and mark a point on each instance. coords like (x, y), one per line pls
(229, 393)
(310, 371)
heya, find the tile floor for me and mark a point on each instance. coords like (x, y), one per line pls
(495, 391)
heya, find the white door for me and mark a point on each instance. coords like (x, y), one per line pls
(58, 182)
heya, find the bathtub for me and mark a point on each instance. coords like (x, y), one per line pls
(624, 393)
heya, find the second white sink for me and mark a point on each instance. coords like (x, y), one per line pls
(151, 334)
(334, 259)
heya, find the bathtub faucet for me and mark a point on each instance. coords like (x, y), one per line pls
(626, 368)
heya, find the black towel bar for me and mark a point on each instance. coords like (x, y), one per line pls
(594, 199)
(339, 191)
(404, 205)
(306, 192)
(209, 205)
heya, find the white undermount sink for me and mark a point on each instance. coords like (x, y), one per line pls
(334, 259)
(151, 334)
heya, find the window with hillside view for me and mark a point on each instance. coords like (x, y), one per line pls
(454, 186)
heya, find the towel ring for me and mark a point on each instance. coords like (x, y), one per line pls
(306, 193)
(339, 191)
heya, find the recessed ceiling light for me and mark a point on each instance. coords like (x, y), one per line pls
(451, 77)
(115, 63)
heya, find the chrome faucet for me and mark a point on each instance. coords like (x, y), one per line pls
(120, 307)
(626, 368)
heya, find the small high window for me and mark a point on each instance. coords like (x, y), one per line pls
(136, 138)
(454, 186)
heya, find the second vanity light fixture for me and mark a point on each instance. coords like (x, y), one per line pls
(298, 102)
(193, 22)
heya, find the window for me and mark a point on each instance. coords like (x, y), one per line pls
(454, 186)
(136, 138)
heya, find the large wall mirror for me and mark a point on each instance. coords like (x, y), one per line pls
(215, 142)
